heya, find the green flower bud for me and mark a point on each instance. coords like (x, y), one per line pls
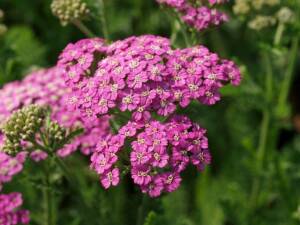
(22, 125)
(11, 147)
(69, 10)
(55, 132)
(285, 15)
(241, 7)
(260, 22)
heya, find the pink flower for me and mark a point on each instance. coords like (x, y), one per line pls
(172, 181)
(9, 212)
(139, 157)
(137, 80)
(110, 178)
(38, 155)
(102, 163)
(201, 158)
(140, 175)
(160, 158)
(155, 188)
(10, 166)
(129, 102)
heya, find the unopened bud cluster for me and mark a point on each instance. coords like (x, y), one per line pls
(3, 28)
(277, 13)
(22, 126)
(69, 10)
(56, 132)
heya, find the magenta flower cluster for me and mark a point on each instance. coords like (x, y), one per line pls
(10, 166)
(47, 87)
(199, 17)
(142, 75)
(145, 77)
(9, 212)
(160, 152)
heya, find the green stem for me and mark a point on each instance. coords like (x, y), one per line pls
(181, 27)
(175, 28)
(286, 84)
(65, 170)
(269, 77)
(263, 138)
(83, 28)
(141, 211)
(103, 20)
(278, 34)
(48, 196)
(114, 125)
(184, 33)
(264, 131)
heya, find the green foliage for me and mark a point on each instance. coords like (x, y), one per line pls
(21, 52)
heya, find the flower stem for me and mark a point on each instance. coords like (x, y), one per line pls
(48, 197)
(83, 28)
(141, 210)
(174, 34)
(103, 20)
(263, 138)
(264, 131)
(278, 34)
(286, 84)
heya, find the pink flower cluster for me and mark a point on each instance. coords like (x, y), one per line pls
(160, 152)
(142, 75)
(9, 214)
(10, 166)
(47, 87)
(198, 17)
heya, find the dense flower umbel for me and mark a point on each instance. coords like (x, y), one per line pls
(142, 75)
(159, 153)
(21, 126)
(69, 10)
(10, 166)
(9, 212)
(199, 15)
(47, 88)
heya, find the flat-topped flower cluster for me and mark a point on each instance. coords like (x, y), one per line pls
(142, 75)
(145, 78)
(198, 15)
(9, 212)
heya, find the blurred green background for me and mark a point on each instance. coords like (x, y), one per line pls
(253, 132)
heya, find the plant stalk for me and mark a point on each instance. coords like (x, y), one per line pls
(84, 29)
(286, 84)
(141, 211)
(48, 197)
(264, 131)
(103, 20)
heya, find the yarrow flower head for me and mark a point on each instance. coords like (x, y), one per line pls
(47, 88)
(9, 212)
(69, 10)
(159, 153)
(142, 75)
(200, 16)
